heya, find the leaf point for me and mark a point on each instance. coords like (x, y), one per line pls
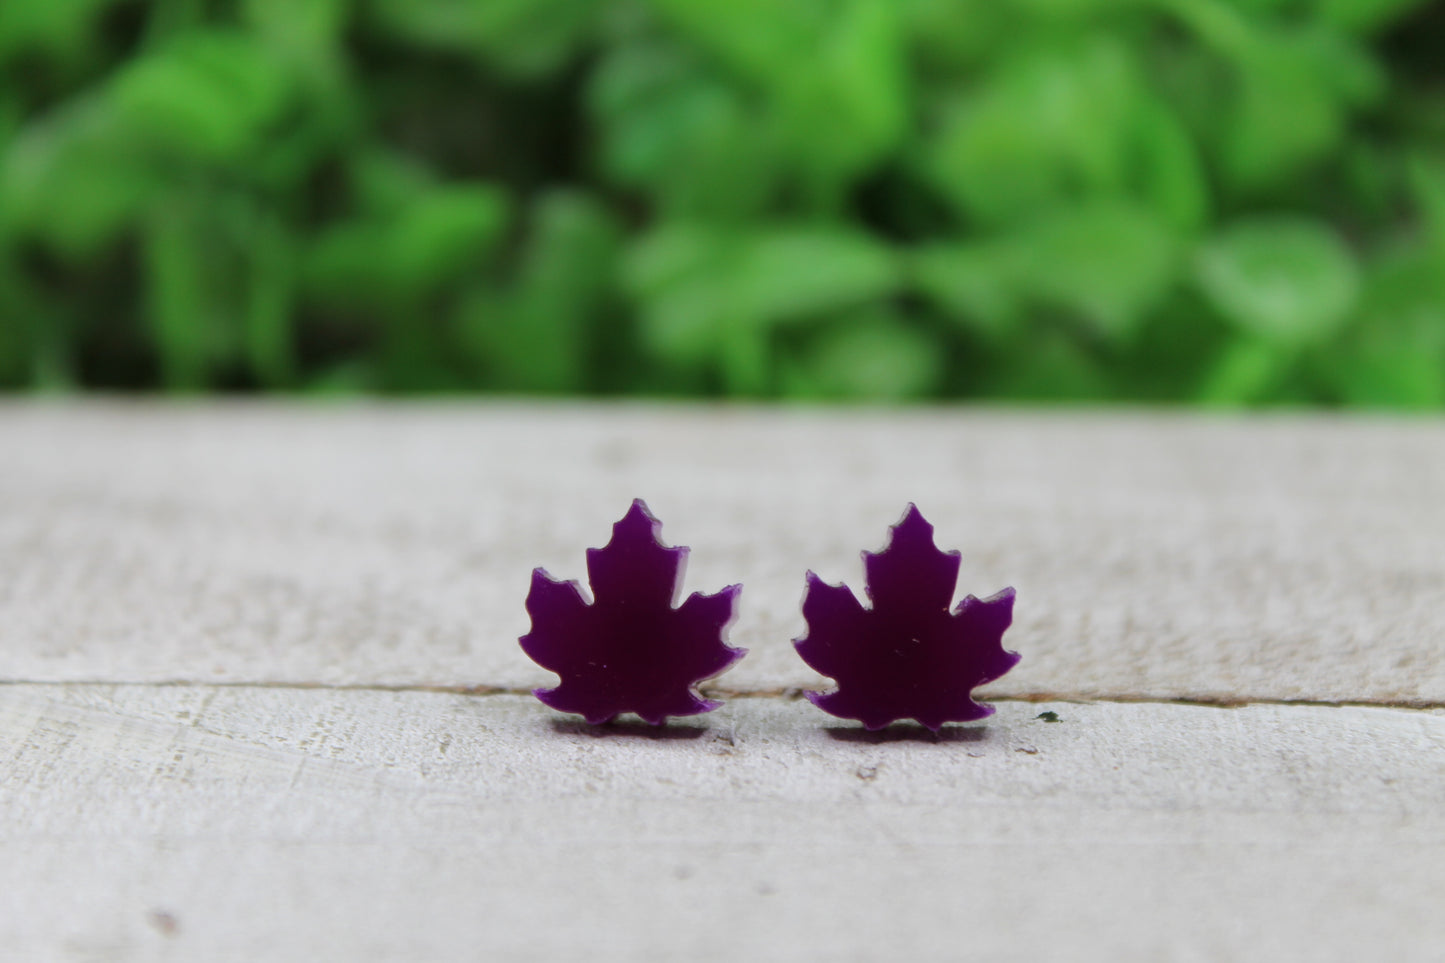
(1002, 599)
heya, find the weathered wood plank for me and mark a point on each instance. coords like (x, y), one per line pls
(1294, 557)
(197, 823)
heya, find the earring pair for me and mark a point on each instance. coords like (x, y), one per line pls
(631, 649)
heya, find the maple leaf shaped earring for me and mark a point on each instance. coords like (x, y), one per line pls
(908, 657)
(630, 649)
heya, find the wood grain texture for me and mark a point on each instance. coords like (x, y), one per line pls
(200, 823)
(253, 554)
(1156, 555)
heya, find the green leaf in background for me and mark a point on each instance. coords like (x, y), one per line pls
(522, 37)
(758, 39)
(208, 96)
(1107, 263)
(439, 233)
(854, 108)
(1364, 15)
(1346, 66)
(1045, 363)
(1245, 373)
(301, 25)
(1396, 362)
(16, 308)
(270, 299)
(1296, 91)
(1427, 177)
(73, 180)
(873, 354)
(1263, 147)
(1290, 93)
(699, 289)
(1036, 199)
(348, 267)
(1394, 354)
(10, 113)
(538, 337)
(1284, 280)
(949, 37)
(1169, 171)
(384, 182)
(673, 129)
(841, 114)
(1049, 123)
(60, 27)
(447, 231)
(184, 306)
(972, 283)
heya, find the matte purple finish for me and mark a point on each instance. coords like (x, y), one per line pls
(908, 657)
(630, 650)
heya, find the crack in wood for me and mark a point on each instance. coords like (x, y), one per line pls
(1207, 700)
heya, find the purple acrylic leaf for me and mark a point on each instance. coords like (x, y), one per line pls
(630, 650)
(907, 657)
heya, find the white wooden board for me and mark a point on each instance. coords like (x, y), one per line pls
(1161, 556)
(227, 633)
(194, 823)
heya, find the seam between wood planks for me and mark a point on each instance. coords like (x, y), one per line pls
(779, 692)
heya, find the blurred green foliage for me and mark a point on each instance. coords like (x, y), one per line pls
(1224, 201)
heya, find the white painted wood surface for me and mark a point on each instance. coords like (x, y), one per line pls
(203, 609)
(195, 823)
(1164, 555)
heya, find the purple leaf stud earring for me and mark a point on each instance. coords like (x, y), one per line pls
(630, 649)
(908, 657)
